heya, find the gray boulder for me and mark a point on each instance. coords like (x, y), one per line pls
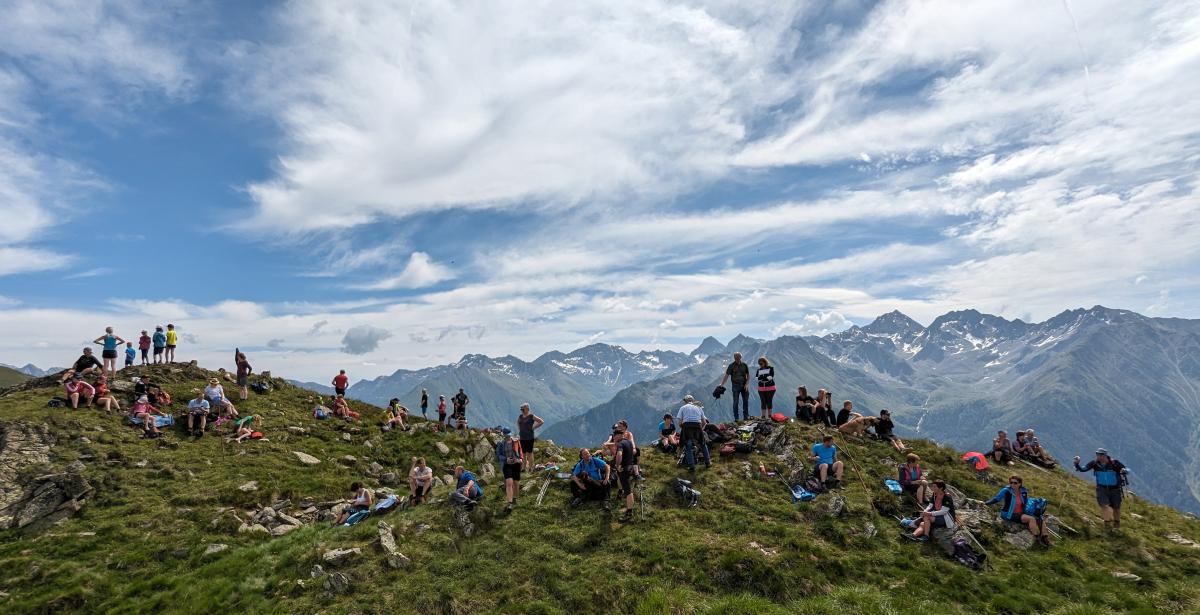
(341, 557)
(306, 459)
(387, 542)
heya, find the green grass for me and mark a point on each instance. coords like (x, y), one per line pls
(10, 376)
(151, 525)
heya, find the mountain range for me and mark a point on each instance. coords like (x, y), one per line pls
(1083, 379)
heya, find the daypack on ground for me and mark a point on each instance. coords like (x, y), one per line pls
(687, 494)
(386, 504)
(814, 485)
(260, 387)
(965, 555)
(1035, 507)
(894, 486)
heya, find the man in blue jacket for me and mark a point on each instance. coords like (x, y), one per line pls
(1110, 479)
(467, 491)
(1014, 506)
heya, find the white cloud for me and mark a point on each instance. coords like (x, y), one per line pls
(816, 323)
(363, 339)
(25, 260)
(420, 272)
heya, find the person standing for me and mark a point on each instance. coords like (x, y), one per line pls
(109, 341)
(243, 373)
(144, 346)
(130, 354)
(160, 343)
(691, 421)
(510, 452)
(738, 374)
(766, 387)
(172, 341)
(626, 463)
(527, 424)
(1110, 478)
(460, 409)
(425, 404)
(340, 382)
(441, 408)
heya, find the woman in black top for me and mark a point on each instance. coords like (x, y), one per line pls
(766, 386)
(804, 405)
(884, 428)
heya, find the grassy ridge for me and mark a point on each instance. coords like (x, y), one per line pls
(138, 546)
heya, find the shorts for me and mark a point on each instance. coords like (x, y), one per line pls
(939, 521)
(128, 361)
(1109, 496)
(109, 354)
(242, 381)
(145, 353)
(512, 470)
(623, 478)
(339, 391)
(910, 489)
(158, 349)
(527, 446)
(170, 346)
(358, 508)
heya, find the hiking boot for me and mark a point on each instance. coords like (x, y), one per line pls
(707, 464)
(917, 538)
(606, 506)
(508, 507)
(625, 516)
(576, 503)
(1044, 540)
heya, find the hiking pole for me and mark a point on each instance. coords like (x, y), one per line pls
(641, 501)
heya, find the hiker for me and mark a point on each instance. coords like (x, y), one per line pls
(425, 404)
(243, 373)
(130, 354)
(766, 387)
(244, 427)
(86, 363)
(420, 481)
(460, 409)
(589, 479)
(158, 396)
(144, 411)
(441, 408)
(509, 453)
(144, 347)
(668, 438)
(825, 454)
(846, 413)
(1110, 478)
(160, 343)
(804, 405)
(104, 397)
(172, 341)
(623, 427)
(340, 382)
(527, 424)
(109, 341)
(626, 463)
(76, 389)
(198, 409)
(691, 420)
(822, 414)
(467, 490)
(911, 478)
(215, 393)
(738, 374)
(1033, 447)
(362, 500)
(940, 513)
(341, 409)
(884, 430)
(1014, 500)
(395, 414)
(1002, 448)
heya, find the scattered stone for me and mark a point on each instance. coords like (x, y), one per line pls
(437, 482)
(442, 448)
(374, 469)
(349, 459)
(289, 520)
(76, 467)
(487, 471)
(337, 583)
(300, 431)
(281, 504)
(316, 572)
(121, 386)
(387, 541)
(869, 530)
(143, 463)
(307, 503)
(447, 479)
(346, 437)
(421, 528)
(462, 520)
(1021, 540)
(747, 471)
(179, 553)
(389, 478)
(250, 486)
(85, 534)
(214, 548)
(1180, 540)
(280, 530)
(367, 444)
(835, 506)
(340, 557)
(769, 552)
(257, 527)
(84, 440)
(1125, 576)
(99, 429)
(483, 450)
(306, 459)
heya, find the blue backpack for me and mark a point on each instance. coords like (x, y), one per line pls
(1035, 507)
(893, 486)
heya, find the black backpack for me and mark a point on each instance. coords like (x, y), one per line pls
(814, 485)
(965, 555)
(687, 494)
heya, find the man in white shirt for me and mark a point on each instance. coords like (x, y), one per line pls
(691, 422)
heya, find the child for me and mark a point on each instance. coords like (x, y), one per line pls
(130, 354)
(244, 427)
(104, 397)
(145, 411)
(172, 339)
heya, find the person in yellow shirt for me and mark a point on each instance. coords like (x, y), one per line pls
(172, 339)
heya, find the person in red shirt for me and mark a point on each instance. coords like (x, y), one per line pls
(339, 383)
(144, 346)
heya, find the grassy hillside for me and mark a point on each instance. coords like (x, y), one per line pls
(10, 376)
(139, 543)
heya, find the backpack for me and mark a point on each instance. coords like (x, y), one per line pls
(1035, 507)
(745, 446)
(718, 392)
(320, 414)
(260, 387)
(687, 494)
(778, 417)
(728, 449)
(893, 486)
(814, 485)
(256, 435)
(800, 494)
(965, 555)
(386, 504)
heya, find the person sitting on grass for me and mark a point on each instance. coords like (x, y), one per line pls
(244, 427)
(86, 363)
(104, 396)
(158, 395)
(590, 479)
(198, 409)
(341, 409)
(1014, 499)
(884, 430)
(142, 410)
(215, 393)
(911, 478)
(668, 436)
(394, 416)
(1002, 448)
(467, 491)
(420, 481)
(825, 454)
(940, 513)
(362, 500)
(77, 389)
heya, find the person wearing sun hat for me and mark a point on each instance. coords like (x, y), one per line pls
(691, 420)
(215, 393)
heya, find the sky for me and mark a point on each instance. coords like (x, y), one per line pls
(380, 185)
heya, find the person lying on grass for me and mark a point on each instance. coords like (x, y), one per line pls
(244, 427)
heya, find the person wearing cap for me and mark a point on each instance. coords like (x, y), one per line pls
(691, 421)
(198, 409)
(885, 430)
(1014, 500)
(86, 363)
(738, 374)
(1110, 478)
(160, 343)
(510, 451)
(76, 388)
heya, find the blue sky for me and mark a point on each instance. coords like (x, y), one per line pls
(395, 184)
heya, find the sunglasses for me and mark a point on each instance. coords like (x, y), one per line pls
(1013, 482)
